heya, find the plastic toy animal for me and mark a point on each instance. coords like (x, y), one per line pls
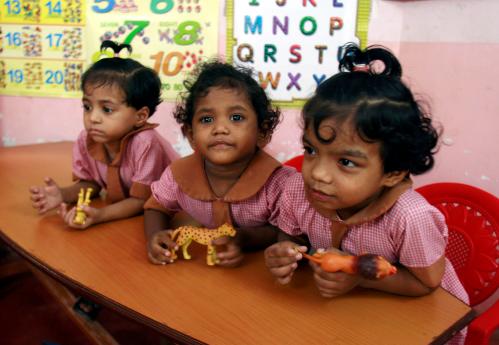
(186, 234)
(83, 200)
(368, 266)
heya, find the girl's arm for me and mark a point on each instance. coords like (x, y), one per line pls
(122, 209)
(70, 193)
(411, 281)
(154, 222)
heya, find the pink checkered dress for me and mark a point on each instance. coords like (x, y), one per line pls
(255, 210)
(412, 232)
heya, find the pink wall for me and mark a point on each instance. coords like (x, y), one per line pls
(448, 49)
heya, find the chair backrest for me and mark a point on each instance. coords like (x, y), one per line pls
(295, 162)
(472, 216)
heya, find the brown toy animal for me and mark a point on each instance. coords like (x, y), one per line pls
(368, 266)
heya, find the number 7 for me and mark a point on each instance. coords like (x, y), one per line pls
(141, 24)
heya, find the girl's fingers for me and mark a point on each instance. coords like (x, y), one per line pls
(232, 262)
(221, 241)
(63, 209)
(154, 260)
(49, 181)
(69, 216)
(161, 255)
(283, 261)
(34, 189)
(281, 272)
(36, 196)
(284, 280)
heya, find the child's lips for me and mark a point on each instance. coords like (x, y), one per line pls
(220, 145)
(95, 132)
(320, 196)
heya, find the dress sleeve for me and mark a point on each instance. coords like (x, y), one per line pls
(424, 237)
(283, 214)
(81, 159)
(166, 192)
(150, 160)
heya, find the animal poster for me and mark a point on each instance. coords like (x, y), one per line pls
(293, 44)
(46, 45)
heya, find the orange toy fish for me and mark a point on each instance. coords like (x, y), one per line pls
(368, 266)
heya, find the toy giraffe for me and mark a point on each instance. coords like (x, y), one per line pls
(83, 200)
(186, 234)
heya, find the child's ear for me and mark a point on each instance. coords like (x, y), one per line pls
(262, 140)
(394, 177)
(142, 116)
(187, 132)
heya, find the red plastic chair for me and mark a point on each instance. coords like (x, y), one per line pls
(295, 162)
(472, 216)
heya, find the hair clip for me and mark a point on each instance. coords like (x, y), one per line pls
(116, 47)
(360, 68)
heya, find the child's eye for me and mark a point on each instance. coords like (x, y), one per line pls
(107, 110)
(236, 117)
(347, 163)
(309, 151)
(86, 107)
(206, 119)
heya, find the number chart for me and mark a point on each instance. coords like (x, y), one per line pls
(45, 45)
(293, 45)
(41, 47)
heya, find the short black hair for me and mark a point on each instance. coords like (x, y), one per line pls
(141, 85)
(215, 73)
(382, 108)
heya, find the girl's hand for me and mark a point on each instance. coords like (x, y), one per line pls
(161, 248)
(92, 216)
(46, 198)
(333, 284)
(232, 256)
(281, 259)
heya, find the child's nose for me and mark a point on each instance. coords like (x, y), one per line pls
(322, 172)
(95, 116)
(221, 127)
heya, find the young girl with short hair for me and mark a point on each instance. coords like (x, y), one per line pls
(364, 136)
(118, 150)
(228, 119)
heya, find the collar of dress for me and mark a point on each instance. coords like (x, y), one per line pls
(98, 152)
(190, 175)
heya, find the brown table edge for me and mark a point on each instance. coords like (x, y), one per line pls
(456, 327)
(130, 313)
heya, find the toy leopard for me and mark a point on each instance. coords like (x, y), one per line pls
(184, 235)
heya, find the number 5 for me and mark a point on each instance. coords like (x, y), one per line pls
(109, 7)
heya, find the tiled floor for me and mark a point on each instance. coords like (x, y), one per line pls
(29, 315)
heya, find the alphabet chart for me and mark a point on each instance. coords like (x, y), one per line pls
(293, 45)
(45, 45)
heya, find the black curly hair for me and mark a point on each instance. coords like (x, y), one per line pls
(382, 108)
(141, 85)
(215, 73)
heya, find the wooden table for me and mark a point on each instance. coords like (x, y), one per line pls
(194, 303)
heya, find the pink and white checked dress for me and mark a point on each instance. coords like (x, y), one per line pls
(251, 201)
(411, 232)
(143, 157)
